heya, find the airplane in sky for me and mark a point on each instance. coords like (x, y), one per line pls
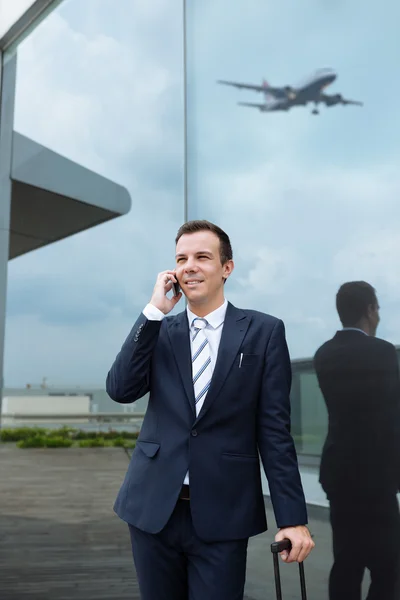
(286, 97)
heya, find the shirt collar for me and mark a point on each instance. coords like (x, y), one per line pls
(214, 318)
(354, 329)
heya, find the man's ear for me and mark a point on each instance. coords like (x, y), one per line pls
(228, 268)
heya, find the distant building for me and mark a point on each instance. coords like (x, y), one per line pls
(37, 401)
(35, 405)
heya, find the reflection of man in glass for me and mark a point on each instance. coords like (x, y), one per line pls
(360, 467)
(219, 380)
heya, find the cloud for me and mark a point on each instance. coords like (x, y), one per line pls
(92, 87)
(98, 99)
(272, 271)
(308, 201)
(294, 245)
(294, 191)
(372, 253)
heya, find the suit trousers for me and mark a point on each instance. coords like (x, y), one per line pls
(176, 564)
(366, 535)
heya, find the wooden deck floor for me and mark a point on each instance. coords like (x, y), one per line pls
(59, 537)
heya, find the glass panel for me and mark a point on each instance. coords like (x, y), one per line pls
(313, 415)
(293, 149)
(103, 88)
(296, 191)
(309, 415)
(11, 11)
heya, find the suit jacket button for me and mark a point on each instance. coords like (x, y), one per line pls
(194, 433)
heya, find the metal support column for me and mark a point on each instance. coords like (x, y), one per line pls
(7, 97)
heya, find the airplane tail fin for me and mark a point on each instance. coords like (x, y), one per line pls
(268, 97)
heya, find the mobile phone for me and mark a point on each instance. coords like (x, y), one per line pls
(176, 288)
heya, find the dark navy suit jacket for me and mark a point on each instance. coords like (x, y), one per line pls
(359, 379)
(246, 413)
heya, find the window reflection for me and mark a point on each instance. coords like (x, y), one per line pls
(293, 149)
(102, 87)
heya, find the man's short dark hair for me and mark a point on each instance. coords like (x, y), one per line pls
(225, 248)
(353, 300)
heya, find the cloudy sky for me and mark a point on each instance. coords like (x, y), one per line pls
(309, 201)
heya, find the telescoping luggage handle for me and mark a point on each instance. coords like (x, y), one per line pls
(276, 548)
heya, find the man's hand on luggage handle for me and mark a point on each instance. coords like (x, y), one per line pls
(301, 540)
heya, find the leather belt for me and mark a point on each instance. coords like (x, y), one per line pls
(184, 493)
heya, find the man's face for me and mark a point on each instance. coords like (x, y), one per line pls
(199, 269)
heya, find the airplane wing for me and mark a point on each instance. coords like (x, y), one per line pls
(253, 105)
(264, 107)
(338, 99)
(253, 87)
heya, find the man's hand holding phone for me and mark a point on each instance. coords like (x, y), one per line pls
(166, 281)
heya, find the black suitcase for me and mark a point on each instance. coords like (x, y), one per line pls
(276, 548)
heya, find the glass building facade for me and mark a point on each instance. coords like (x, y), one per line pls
(309, 200)
(204, 110)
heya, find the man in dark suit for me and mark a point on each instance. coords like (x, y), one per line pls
(219, 379)
(360, 465)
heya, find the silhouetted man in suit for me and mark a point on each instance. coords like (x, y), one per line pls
(219, 379)
(360, 466)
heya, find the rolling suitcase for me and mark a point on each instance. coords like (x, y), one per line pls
(276, 548)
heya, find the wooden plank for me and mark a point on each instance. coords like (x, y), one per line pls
(59, 537)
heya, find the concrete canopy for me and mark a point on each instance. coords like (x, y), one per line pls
(53, 197)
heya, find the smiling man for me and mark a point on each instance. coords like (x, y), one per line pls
(219, 379)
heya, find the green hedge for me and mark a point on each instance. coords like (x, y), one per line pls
(21, 433)
(42, 441)
(65, 437)
(101, 443)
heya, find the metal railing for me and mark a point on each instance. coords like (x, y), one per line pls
(87, 421)
(118, 416)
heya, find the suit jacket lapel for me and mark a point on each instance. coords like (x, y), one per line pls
(234, 329)
(179, 335)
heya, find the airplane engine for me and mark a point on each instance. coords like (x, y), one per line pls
(290, 93)
(336, 99)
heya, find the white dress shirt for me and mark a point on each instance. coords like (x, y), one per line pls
(354, 329)
(213, 331)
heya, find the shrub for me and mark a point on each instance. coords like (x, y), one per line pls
(63, 432)
(130, 444)
(130, 435)
(119, 442)
(58, 442)
(80, 434)
(123, 443)
(94, 443)
(111, 434)
(43, 441)
(21, 433)
(35, 441)
(111, 437)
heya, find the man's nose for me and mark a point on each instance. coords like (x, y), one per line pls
(190, 266)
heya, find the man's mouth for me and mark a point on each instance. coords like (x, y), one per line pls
(192, 282)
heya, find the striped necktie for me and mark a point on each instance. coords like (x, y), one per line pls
(201, 362)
